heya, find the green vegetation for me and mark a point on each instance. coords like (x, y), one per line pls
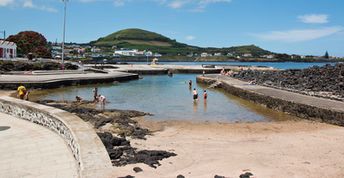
(145, 40)
(31, 42)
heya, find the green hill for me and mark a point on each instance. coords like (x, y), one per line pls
(146, 40)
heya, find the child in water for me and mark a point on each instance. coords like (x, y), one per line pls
(205, 94)
(195, 94)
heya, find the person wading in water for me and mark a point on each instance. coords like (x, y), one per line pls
(195, 94)
(95, 94)
(205, 94)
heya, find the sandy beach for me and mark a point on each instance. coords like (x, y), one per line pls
(290, 149)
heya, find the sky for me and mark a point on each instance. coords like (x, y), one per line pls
(306, 27)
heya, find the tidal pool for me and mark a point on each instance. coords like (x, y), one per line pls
(169, 98)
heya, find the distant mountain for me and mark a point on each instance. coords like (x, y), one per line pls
(146, 40)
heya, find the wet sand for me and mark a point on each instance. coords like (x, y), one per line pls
(266, 149)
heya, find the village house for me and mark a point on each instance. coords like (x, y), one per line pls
(230, 55)
(8, 50)
(218, 54)
(134, 52)
(247, 55)
(205, 55)
(268, 56)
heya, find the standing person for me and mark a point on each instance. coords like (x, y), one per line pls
(21, 91)
(78, 99)
(102, 100)
(95, 94)
(195, 94)
(190, 83)
(205, 95)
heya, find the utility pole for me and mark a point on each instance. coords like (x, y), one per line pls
(64, 32)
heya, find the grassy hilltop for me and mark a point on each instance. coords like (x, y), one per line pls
(146, 40)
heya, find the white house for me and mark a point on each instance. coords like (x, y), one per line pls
(230, 55)
(157, 55)
(270, 56)
(218, 54)
(125, 52)
(95, 50)
(8, 50)
(148, 53)
(247, 55)
(204, 55)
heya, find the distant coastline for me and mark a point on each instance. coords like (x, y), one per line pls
(208, 59)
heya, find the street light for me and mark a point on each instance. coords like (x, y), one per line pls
(4, 32)
(64, 31)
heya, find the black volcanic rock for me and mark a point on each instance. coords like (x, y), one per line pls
(326, 81)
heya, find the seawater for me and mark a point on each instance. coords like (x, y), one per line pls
(170, 98)
(277, 65)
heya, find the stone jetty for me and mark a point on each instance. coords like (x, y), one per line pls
(304, 106)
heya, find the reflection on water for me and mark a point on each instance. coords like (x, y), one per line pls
(170, 98)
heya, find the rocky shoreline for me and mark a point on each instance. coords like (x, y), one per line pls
(115, 127)
(326, 81)
(8, 66)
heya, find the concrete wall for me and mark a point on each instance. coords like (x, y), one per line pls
(305, 111)
(87, 148)
(64, 82)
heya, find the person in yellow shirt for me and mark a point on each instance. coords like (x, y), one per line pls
(21, 91)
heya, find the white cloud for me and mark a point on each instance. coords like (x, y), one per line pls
(6, 2)
(26, 4)
(195, 5)
(202, 4)
(190, 38)
(299, 35)
(118, 3)
(177, 4)
(31, 5)
(314, 18)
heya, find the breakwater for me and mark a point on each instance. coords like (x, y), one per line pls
(307, 107)
(59, 80)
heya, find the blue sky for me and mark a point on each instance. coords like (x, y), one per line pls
(288, 26)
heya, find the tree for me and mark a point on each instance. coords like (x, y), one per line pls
(326, 56)
(31, 42)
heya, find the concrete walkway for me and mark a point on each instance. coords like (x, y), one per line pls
(282, 94)
(60, 77)
(29, 150)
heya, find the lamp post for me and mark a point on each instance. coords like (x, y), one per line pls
(64, 32)
(4, 32)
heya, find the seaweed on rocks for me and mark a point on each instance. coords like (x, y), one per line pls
(128, 176)
(121, 152)
(118, 147)
(98, 118)
(246, 175)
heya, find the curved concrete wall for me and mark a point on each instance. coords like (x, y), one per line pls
(87, 148)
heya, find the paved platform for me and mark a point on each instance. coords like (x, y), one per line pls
(282, 94)
(60, 77)
(29, 150)
(58, 80)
